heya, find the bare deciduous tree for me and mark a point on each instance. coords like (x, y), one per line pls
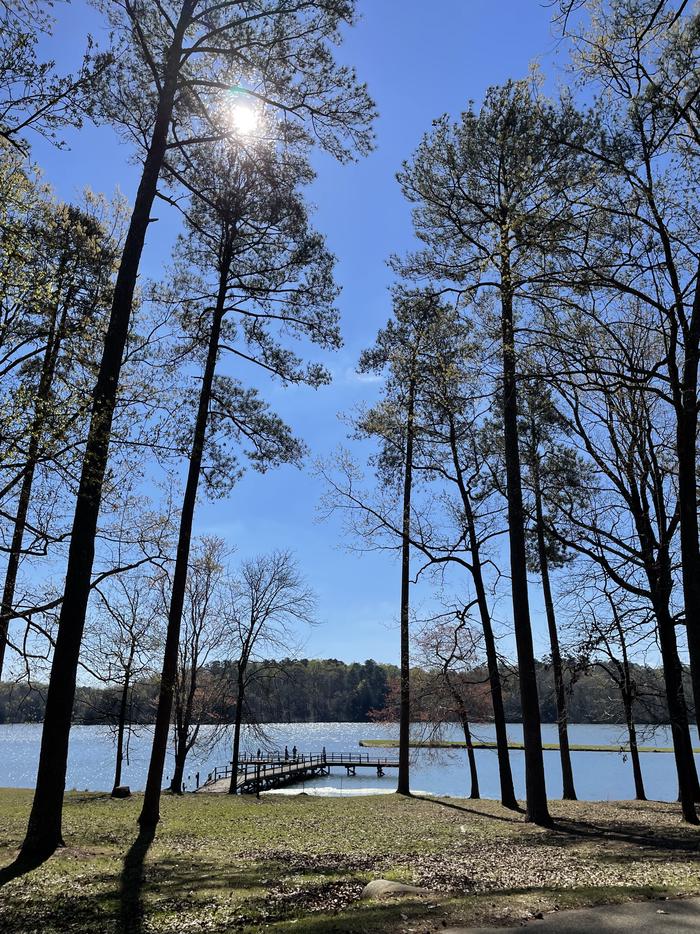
(121, 645)
(268, 603)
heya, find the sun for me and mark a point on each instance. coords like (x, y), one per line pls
(245, 118)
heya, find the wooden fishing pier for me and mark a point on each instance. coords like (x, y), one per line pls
(261, 773)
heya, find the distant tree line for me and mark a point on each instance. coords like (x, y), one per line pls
(331, 691)
(292, 690)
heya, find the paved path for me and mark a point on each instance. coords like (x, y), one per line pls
(676, 916)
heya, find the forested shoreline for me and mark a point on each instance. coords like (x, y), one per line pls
(329, 691)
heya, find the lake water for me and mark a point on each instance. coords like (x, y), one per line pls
(598, 775)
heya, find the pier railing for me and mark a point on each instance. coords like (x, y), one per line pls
(314, 758)
(252, 767)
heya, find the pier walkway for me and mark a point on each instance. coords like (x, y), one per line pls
(260, 773)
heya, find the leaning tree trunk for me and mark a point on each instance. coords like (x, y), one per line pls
(567, 772)
(536, 790)
(150, 814)
(505, 773)
(471, 757)
(233, 786)
(44, 828)
(43, 394)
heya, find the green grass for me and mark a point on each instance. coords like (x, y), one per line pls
(453, 744)
(299, 863)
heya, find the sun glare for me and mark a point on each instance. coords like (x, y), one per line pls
(245, 118)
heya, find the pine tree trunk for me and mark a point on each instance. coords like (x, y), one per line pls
(567, 772)
(150, 814)
(535, 785)
(690, 548)
(15, 554)
(44, 828)
(505, 773)
(403, 786)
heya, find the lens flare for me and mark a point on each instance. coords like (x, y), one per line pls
(245, 118)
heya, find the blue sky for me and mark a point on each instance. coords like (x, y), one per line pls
(420, 60)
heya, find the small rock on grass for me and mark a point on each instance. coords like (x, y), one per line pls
(385, 888)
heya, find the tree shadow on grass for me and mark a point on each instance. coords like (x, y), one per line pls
(21, 865)
(28, 860)
(17, 869)
(639, 835)
(637, 832)
(131, 910)
(463, 809)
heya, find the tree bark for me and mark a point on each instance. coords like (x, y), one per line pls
(535, 785)
(179, 764)
(569, 791)
(658, 569)
(233, 787)
(403, 786)
(628, 690)
(678, 714)
(120, 732)
(505, 773)
(44, 828)
(184, 701)
(150, 814)
(471, 757)
(686, 439)
(639, 792)
(43, 393)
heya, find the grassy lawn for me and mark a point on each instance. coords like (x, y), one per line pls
(299, 863)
